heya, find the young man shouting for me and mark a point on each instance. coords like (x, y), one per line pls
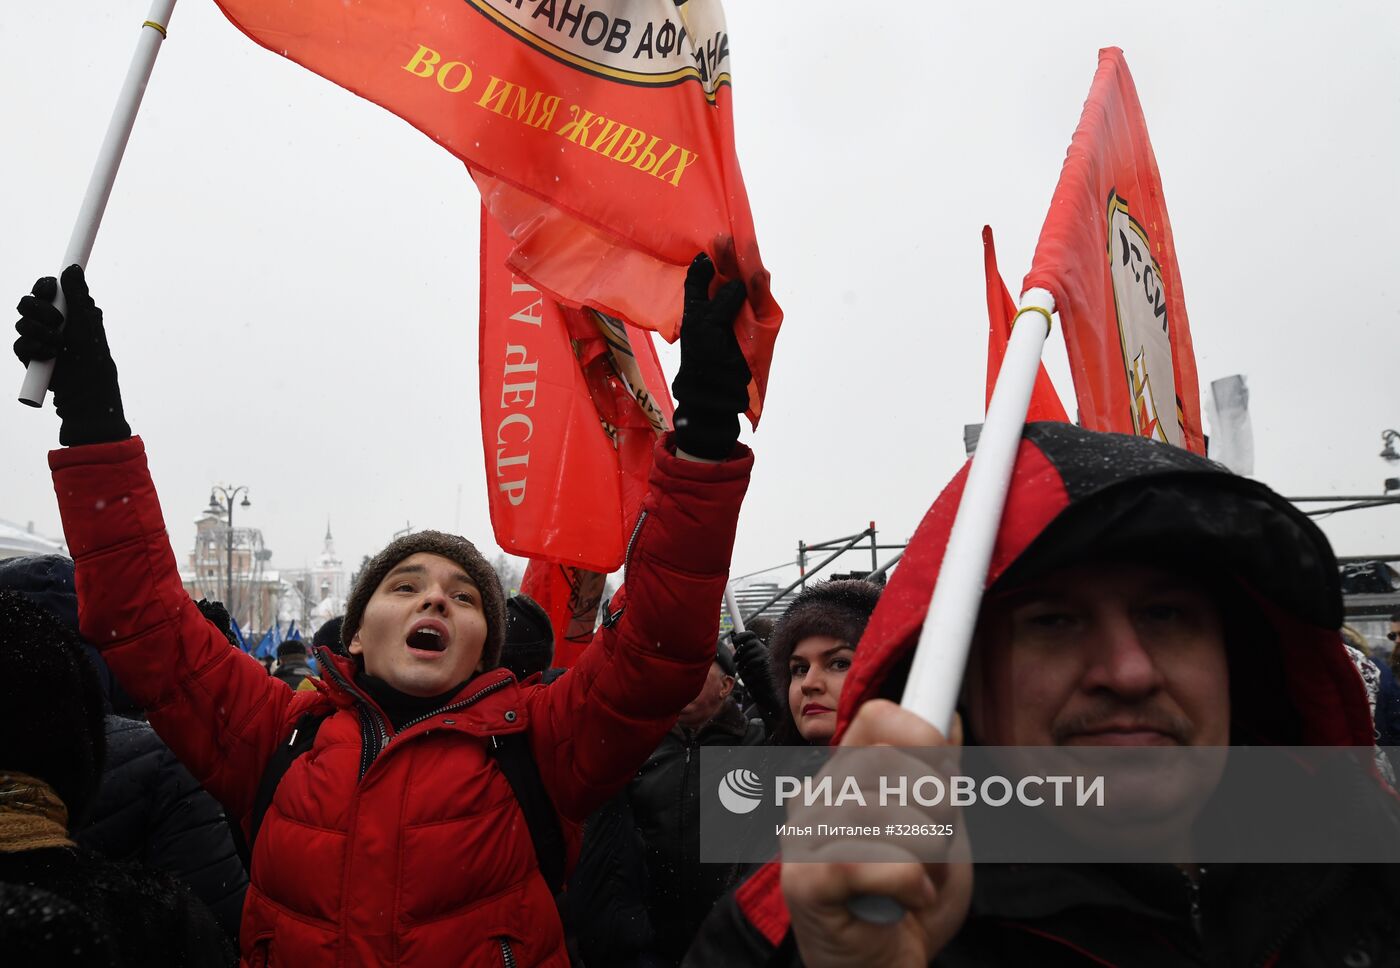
(399, 838)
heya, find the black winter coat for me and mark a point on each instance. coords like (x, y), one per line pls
(665, 801)
(293, 673)
(151, 919)
(149, 809)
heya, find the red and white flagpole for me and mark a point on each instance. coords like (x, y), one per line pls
(104, 173)
(935, 678)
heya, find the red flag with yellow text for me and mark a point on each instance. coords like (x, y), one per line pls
(1106, 254)
(600, 134)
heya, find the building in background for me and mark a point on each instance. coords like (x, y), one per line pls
(18, 541)
(315, 595)
(250, 591)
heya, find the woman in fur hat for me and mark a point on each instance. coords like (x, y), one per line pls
(810, 653)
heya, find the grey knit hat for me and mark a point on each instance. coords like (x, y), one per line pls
(451, 547)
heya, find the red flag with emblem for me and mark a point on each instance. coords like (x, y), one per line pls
(601, 136)
(1106, 254)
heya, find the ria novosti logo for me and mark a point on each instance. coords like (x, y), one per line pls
(740, 791)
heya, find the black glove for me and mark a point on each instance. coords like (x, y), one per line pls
(712, 387)
(751, 659)
(84, 384)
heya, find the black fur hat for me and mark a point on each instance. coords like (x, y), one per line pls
(839, 609)
(51, 715)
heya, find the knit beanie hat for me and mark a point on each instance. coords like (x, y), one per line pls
(47, 581)
(328, 635)
(289, 648)
(51, 717)
(529, 637)
(451, 547)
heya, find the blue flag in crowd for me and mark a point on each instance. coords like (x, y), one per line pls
(267, 645)
(238, 633)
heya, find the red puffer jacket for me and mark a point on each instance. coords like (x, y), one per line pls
(405, 848)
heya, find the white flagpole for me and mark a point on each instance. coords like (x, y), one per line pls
(104, 173)
(732, 604)
(935, 678)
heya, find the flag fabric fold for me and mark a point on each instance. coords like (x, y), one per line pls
(571, 598)
(1107, 255)
(1001, 315)
(567, 441)
(601, 136)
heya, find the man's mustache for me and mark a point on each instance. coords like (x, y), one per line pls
(1122, 716)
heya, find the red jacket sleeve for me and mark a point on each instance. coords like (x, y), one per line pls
(594, 727)
(219, 711)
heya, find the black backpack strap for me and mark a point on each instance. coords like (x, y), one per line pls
(513, 755)
(299, 741)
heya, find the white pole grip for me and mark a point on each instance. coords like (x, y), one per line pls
(104, 173)
(935, 678)
(733, 606)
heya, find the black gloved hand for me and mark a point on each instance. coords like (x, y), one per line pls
(751, 660)
(712, 386)
(84, 383)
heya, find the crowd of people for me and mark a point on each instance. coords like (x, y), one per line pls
(425, 788)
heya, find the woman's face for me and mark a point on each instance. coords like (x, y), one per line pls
(818, 667)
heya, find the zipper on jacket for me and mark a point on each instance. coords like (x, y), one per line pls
(507, 956)
(610, 618)
(477, 696)
(632, 541)
(1193, 899)
(374, 736)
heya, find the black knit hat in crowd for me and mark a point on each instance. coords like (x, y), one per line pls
(51, 710)
(451, 547)
(529, 637)
(328, 635)
(290, 647)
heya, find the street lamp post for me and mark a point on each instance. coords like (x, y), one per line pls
(229, 495)
(1389, 438)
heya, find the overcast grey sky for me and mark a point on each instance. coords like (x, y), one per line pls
(289, 272)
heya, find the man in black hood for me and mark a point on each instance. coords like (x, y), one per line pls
(1137, 594)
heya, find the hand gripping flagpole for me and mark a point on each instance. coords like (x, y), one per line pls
(935, 678)
(104, 173)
